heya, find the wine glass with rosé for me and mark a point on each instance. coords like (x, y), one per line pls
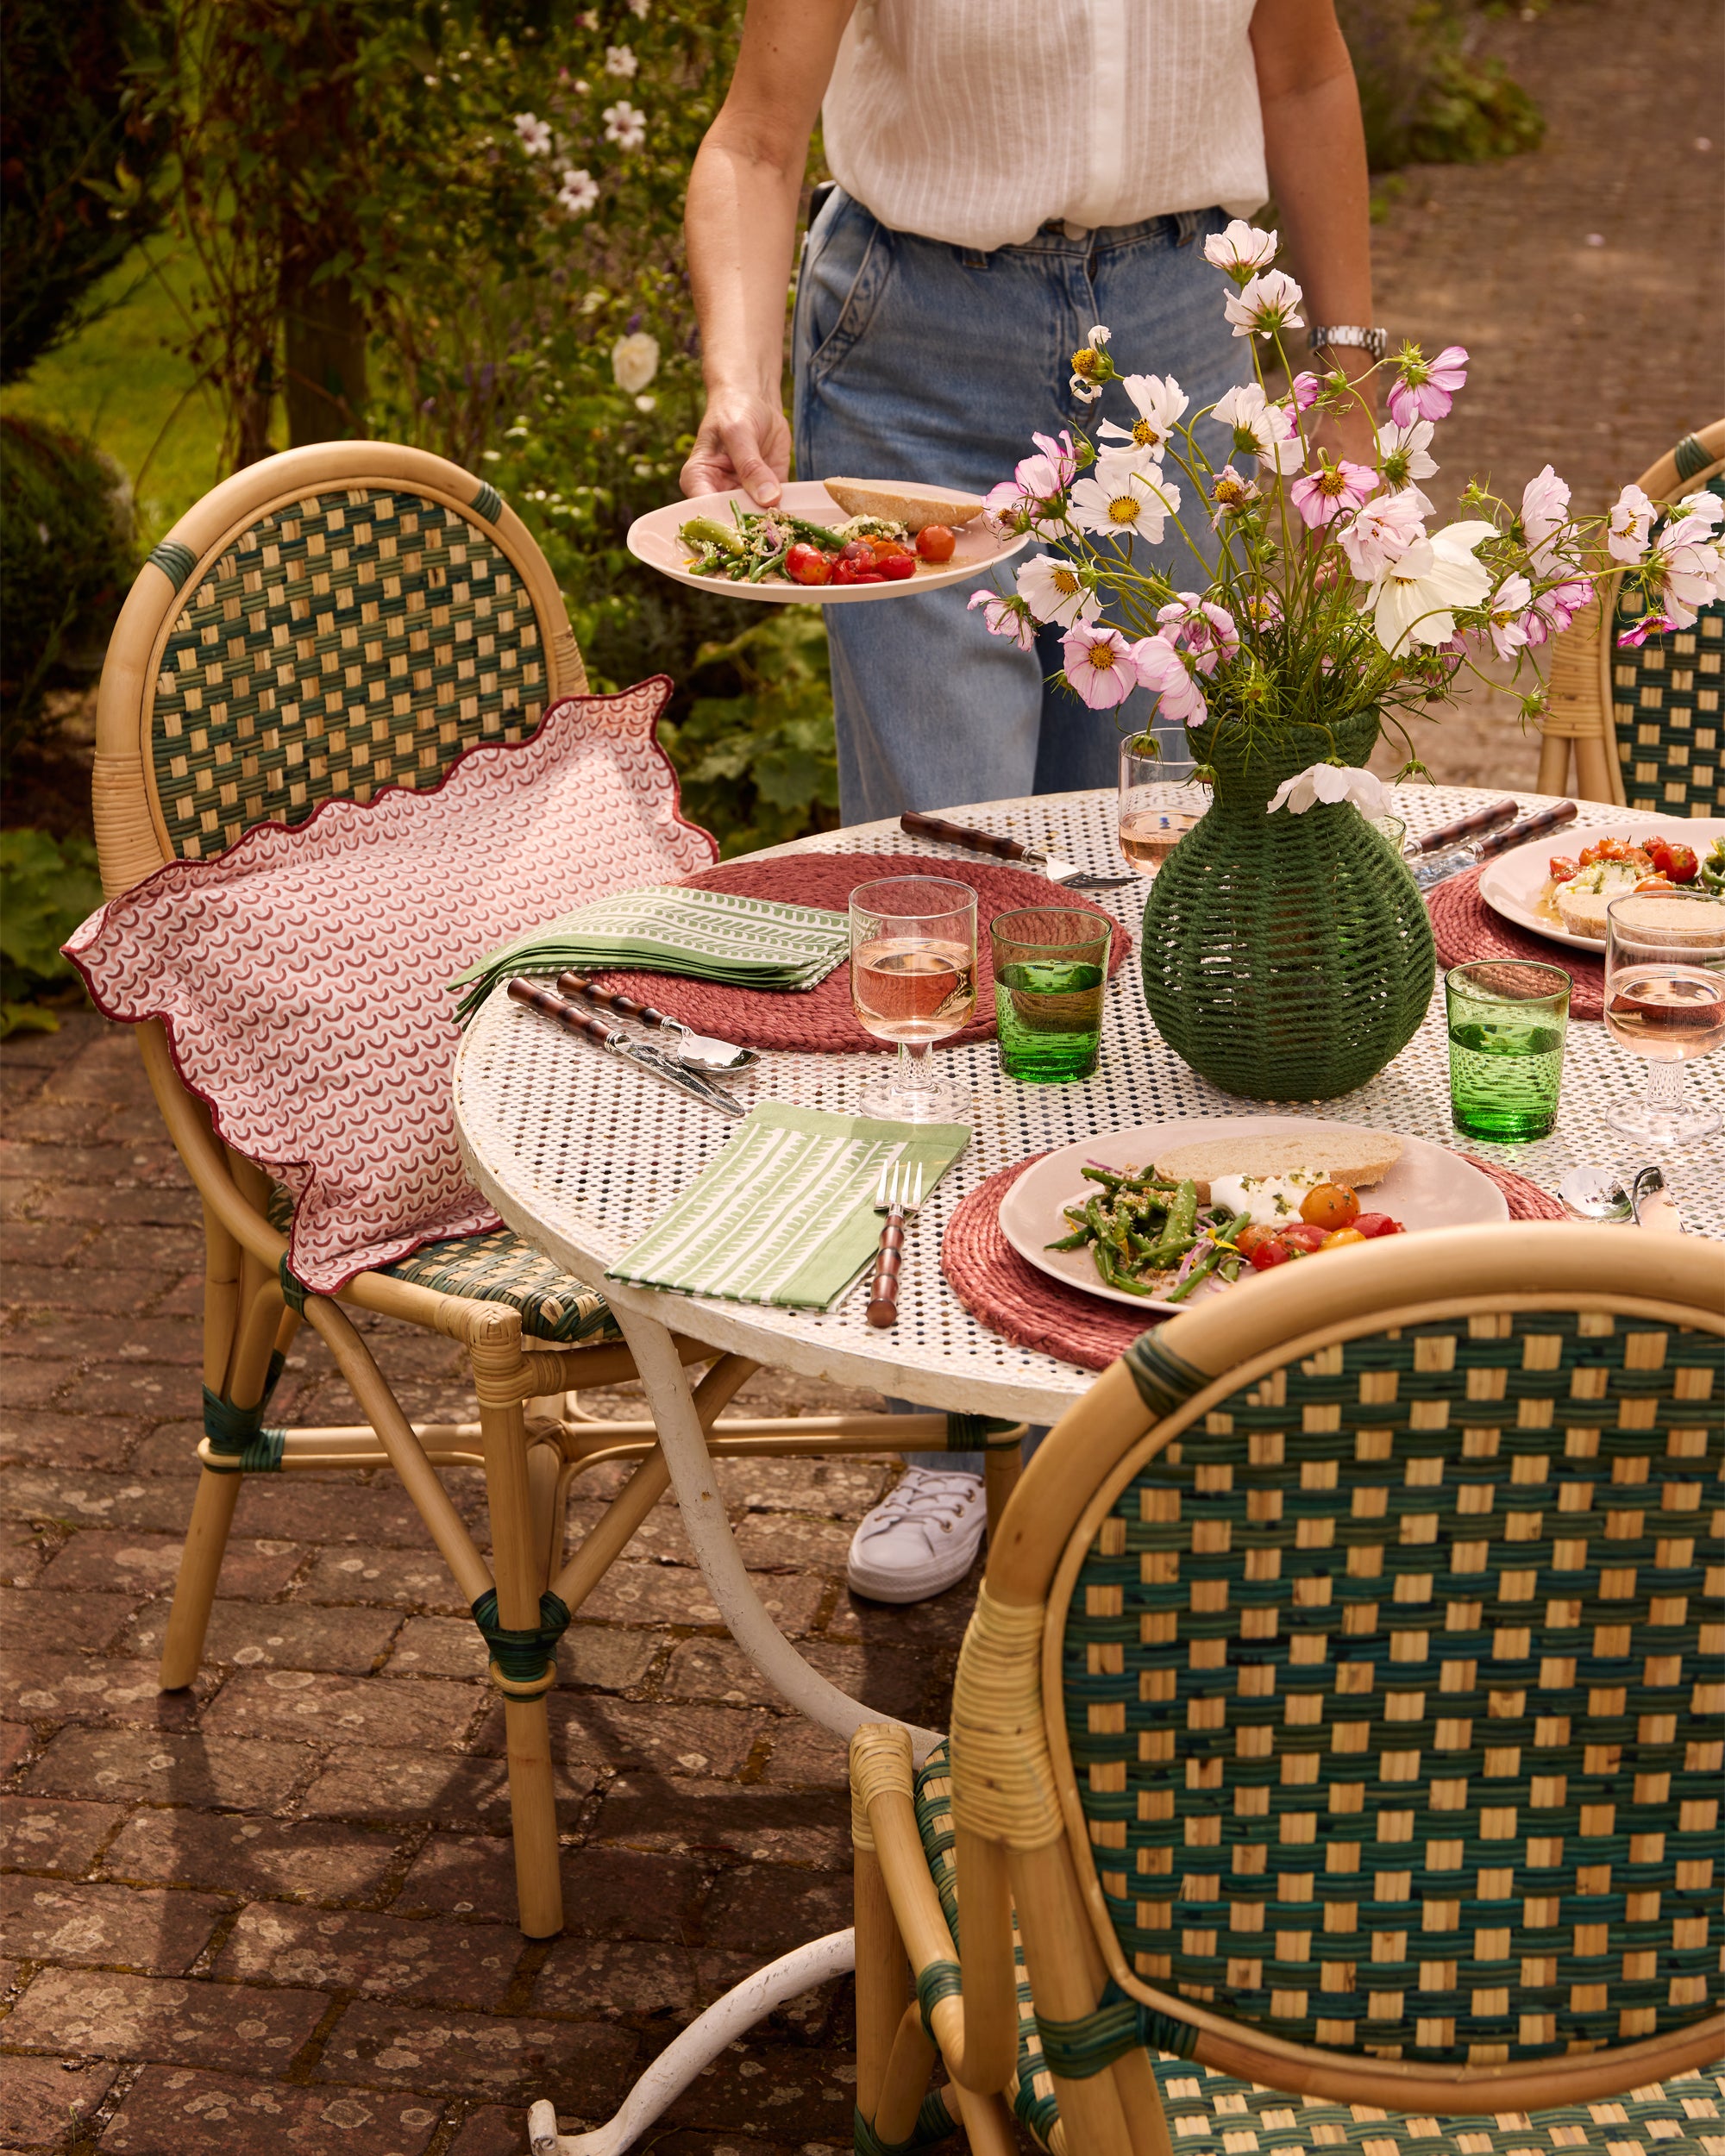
(1665, 1001)
(1160, 800)
(913, 980)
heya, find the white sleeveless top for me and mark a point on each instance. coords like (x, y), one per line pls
(974, 122)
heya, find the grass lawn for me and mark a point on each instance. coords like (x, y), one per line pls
(123, 386)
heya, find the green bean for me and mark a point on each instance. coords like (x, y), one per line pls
(766, 568)
(1180, 1232)
(1075, 1241)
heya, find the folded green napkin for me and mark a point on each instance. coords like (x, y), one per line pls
(786, 1214)
(705, 935)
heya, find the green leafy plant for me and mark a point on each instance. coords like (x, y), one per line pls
(45, 890)
(1425, 98)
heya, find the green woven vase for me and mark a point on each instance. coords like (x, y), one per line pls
(1285, 957)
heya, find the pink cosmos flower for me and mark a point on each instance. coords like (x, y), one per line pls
(1005, 512)
(1648, 625)
(1551, 611)
(1307, 390)
(1241, 249)
(1686, 569)
(1426, 387)
(1060, 453)
(1005, 617)
(1206, 631)
(1704, 503)
(1505, 616)
(1099, 664)
(1322, 496)
(1262, 609)
(1264, 304)
(1232, 493)
(1632, 517)
(1261, 429)
(1545, 505)
(1381, 531)
(1162, 671)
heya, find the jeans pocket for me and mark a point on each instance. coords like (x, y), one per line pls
(841, 280)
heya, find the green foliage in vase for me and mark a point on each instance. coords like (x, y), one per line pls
(45, 890)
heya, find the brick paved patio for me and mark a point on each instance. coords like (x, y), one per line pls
(276, 1913)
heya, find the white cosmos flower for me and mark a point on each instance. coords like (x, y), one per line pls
(1054, 591)
(625, 125)
(1121, 499)
(1329, 783)
(1005, 617)
(1261, 429)
(535, 134)
(1381, 531)
(1264, 304)
(578, 192)
(635, 361)
(1414, 601)
(1404, 453)
(1241, 249)
(1687, 569)
(1507, 619)
(1632, 514)
(1703, 504)
(1545, 505)
(1159, 400)
(620, 59)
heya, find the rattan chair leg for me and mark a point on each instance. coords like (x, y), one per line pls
(988, 2124)
(194, 1588)
(544, 1474)
(986, 1958)
(1001, 1467)
(1141, 2101)
(883, 1986)
(1554, 764)
(910, 2067)
(1066, 1974)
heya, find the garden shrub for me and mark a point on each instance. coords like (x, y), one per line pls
(66, 558)
(1425, 99)
(45, 889)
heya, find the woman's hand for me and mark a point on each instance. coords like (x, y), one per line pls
(742, 441)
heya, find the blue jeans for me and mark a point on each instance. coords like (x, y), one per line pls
(916, 359)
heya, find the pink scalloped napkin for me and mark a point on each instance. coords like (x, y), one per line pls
(301, 976)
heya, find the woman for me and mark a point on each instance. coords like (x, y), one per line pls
(1010, 173)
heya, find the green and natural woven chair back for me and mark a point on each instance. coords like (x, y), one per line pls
(1394, 1702)
(1665, 703)
(358, 635)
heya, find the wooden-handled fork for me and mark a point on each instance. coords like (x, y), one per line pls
(898, 1195)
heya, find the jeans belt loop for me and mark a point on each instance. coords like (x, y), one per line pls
(1188, 221)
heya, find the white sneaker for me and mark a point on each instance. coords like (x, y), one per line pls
(922, 1537)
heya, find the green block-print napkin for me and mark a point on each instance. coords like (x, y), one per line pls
(786, 1214)
(705, 935)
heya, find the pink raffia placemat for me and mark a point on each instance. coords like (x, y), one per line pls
(1012, 1298)
(1465, 928)
(820, 1019)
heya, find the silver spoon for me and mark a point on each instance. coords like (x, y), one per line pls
(1594, 1194)
(1655, 1207)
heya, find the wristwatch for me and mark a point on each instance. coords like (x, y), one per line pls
(1376, 341)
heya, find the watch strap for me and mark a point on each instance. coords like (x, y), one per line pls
(1374, 341)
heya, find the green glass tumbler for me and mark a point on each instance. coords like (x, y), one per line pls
(1508, 1018)
(1051, 970)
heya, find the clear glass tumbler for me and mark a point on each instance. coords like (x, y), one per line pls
(1508, 1018)
(1160, 800)
(1051, 969)
(1665, 1001)
(913, 980)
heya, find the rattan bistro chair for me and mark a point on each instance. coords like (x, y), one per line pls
(1339, 1721)
(270, 579)
(1644, 724)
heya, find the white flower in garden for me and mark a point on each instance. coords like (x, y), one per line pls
(1241, 250)
(1005, 617)
(1261, 429)
(1329, 783)
(1506, 617)
(1403, 452)
(635, 361)
(638, 10)
(1054, 591)
(620, 59)
(1381, 532)
(1159, 400)
(1414, 601)
(1632, 515)
(1162, 671)
(535, 134)
(1264, 305)
(1121, 501)
(625, 125)
(1099, 664)
(578, 192)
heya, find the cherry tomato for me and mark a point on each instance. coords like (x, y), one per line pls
(1330, 1205)
(1655, 883)
(1680, 864)
(1657, 851)
(845, 572)
(1303, 1237)
(1250, 1238)
(1273, 1252)
(858, 553)
(887, 550)
(808, 565)
(1337, 1238)
(896, 568)
(935, 542)
(1372, 1225)
(1563, 867)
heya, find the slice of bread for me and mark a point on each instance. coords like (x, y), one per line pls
(904, 502)
(1583, 913)
(1348, 1155)
(1675, 919)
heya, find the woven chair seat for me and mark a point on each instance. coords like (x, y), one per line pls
(501, 1267)
(1210, 2113)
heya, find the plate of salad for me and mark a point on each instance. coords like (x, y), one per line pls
(1561, 890)
(833, 541)
(1165, 1213)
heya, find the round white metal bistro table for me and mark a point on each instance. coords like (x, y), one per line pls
(580, 1152)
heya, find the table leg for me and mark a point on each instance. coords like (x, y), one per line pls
(672, 1405)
